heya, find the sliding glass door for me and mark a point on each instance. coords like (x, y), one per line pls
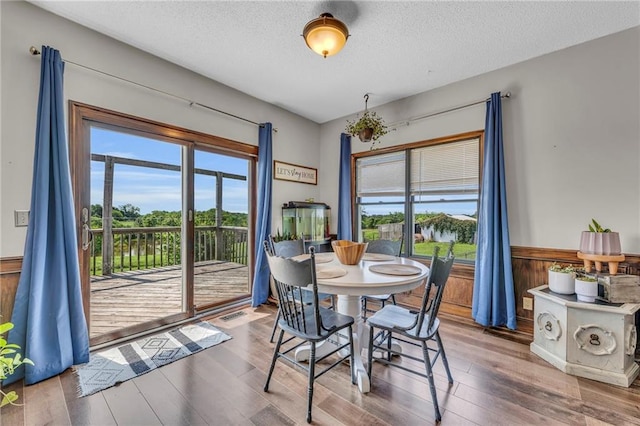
(163, 222)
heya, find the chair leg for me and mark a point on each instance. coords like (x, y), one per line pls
(444, 357)
(273, 361)
(432, 386)
(364, 307)
(393, 299)
(389, 334)
(275, 325)
(312, 373)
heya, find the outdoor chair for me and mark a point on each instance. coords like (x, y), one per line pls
(390, 247)
(416, 328)
(291, 248)
(308, 324)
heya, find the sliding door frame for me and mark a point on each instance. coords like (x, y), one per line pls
(81, 118)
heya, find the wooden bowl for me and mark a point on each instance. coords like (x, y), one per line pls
(349, 252)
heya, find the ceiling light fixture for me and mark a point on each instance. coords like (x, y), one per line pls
(325, 35)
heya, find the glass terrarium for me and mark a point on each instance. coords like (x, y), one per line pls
(309, 221)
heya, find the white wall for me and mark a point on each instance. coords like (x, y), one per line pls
(571, 139)
(24, 25)
(571, 128)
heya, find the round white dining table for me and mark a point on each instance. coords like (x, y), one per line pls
(354, 282)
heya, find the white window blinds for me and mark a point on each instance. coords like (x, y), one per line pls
(449, 168)
(381, 175)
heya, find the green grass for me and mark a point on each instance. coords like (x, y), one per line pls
(135, 261)
(460, 250)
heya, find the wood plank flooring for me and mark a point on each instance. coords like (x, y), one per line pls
(496, 382)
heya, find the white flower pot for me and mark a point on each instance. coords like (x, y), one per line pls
(586, 291)
(562, 282)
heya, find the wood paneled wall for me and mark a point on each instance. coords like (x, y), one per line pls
(9, 276)
(530, 266)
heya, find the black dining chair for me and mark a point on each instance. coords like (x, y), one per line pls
(415, 328)
(382, 246)
(291, 248)
(307, 323)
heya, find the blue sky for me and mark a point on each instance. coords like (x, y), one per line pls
(155, 189)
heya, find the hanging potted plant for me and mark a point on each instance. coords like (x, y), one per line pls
(368, 127)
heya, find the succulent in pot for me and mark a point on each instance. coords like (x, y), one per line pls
(600, 241)
(562, 278)
(586, 288)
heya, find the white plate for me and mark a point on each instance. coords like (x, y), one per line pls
(395, 269)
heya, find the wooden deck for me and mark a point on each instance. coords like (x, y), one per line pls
(129, 298)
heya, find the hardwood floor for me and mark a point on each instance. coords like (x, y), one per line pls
(496, 382)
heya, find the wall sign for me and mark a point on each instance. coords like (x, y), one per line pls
(295, 173)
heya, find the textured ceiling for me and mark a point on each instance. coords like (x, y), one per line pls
(395, 49)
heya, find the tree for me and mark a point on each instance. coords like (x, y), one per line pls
(130, 211)
(96, 210)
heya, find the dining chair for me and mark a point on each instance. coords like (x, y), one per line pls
(291, 248)
(308, 324)
(383, 246)
(416, 328)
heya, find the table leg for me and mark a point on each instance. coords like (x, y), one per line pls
(348, 305)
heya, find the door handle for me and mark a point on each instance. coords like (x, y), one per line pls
(87, 235)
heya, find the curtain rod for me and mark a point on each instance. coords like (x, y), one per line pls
(35, 52)
(397, 124)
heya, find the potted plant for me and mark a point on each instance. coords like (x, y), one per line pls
(600, 241)
(562, 278)
(368, 127)
(10, 359)
(586, 288)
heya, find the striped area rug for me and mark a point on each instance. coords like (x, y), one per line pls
(116, 365)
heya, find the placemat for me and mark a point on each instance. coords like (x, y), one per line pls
(330, 272)
(395, 269)
(320, 258)
(377, 257)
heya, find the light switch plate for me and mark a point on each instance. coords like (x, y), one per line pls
(527, 303)
(21, 217)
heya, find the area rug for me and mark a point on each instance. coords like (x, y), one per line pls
(116, 365)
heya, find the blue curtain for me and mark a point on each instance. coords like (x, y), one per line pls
(263, 223)
(493, 292)
(49, 320)
(345, 231)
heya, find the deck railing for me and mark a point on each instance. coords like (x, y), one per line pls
(154, 247)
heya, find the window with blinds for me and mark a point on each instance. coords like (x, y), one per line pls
(381, 175)
(449, 168)
(426, 191)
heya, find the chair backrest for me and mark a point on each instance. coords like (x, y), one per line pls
(287, 248)
(434, 288)
(392, 247)
(292, 278)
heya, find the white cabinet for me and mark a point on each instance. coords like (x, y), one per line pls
(592, 340)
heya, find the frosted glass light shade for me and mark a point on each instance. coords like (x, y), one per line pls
(325, 35)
